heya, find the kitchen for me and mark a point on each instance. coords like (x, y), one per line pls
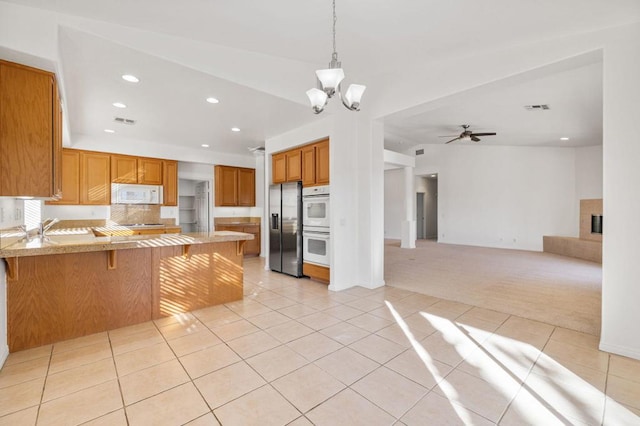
(97, 195)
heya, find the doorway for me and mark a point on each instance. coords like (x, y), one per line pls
(193, 205)
(427, 207)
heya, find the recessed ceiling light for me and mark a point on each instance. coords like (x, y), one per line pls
(204, 145)
(212, 100)
(564, 139)
(130, 78)
(433, 175)
(109, 131)
(119, 105)
(235, 129)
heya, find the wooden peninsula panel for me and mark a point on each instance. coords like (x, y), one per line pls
(57, 297)
(62, 296)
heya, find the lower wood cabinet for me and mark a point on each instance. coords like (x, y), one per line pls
(317, 272)
(251, 247)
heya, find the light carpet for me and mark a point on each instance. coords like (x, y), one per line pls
(558, 290)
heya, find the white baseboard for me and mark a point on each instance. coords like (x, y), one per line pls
(620, 350)
(4, 353)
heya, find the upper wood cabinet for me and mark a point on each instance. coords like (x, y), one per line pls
(124, 169)
(279, 167)
(246, 187)
(170, 183)
(309, 163)
(95, 182)
(141, 170)
(322, 162)
(30, 132)
(294, 165)
(70, 178)
(235, 186)
(149, 171)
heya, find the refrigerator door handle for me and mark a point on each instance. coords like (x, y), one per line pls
(274, 221)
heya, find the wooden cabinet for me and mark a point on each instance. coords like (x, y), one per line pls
(309, 163)
(294, 165)
(70, 178)
(322, 162)
(30, 132)
(251, 247)
(170, 182)
(141, 170)
(246, 187)
(95, 183)
(235, 186)
(124, 169)
(279, 168)
(316, 272)
(149, 171)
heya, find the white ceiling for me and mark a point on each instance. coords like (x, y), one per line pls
(375, 38)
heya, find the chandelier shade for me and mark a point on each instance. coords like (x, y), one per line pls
(329, 80)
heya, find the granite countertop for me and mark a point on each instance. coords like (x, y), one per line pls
(82, 240)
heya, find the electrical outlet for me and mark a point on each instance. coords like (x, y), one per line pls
(17, 214)
(1, 214)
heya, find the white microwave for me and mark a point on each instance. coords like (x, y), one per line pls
(135, 194)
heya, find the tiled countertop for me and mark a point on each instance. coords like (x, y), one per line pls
(59, 242)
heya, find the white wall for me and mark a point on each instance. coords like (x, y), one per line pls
(393, 203)
(495, 196)
(588, 172)
(621, 269)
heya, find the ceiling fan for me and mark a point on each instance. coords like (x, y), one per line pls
(468, 134)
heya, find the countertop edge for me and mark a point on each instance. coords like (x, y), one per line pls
(128, 242)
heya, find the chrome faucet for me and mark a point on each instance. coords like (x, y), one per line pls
(45, 225)
(23, 228)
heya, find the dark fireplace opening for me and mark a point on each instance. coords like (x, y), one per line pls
(596, 224)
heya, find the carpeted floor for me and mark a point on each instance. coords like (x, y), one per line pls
(545, 287)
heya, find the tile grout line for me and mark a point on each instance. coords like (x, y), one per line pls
(44, 384)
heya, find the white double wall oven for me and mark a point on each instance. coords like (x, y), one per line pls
(316, 231)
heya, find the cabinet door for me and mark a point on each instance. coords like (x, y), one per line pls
(294, 165)
(322, 162)
(26, 131)
(308, 165)
(95, 186)
(57, 145)
(170, 183)
(124, 169)
(279, 168)
(226, 186)
(70, 178)
(149, 171)
(246, 187)
(252, 247)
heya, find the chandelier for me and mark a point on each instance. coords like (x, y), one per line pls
(329, 82)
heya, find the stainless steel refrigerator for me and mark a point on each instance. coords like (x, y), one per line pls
(285, 228)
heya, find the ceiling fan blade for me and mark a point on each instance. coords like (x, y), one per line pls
(483, 134)
(452, 140)
(474, 138)
(447, 136)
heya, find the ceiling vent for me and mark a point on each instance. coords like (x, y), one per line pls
(124, 121)
(257, 150)
(537, 107)
(419, 151)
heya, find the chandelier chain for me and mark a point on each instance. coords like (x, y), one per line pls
(335, 18)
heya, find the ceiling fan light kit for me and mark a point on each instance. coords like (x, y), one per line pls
(329, 80)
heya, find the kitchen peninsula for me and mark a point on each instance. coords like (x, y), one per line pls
(74, 284)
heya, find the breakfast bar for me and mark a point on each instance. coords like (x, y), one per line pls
(75, 284)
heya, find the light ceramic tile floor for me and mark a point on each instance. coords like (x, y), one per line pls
(294, 353)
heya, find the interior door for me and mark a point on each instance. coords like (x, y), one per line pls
(420, 215)
(202, 207)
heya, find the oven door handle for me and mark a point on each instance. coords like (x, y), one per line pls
(327, 234)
